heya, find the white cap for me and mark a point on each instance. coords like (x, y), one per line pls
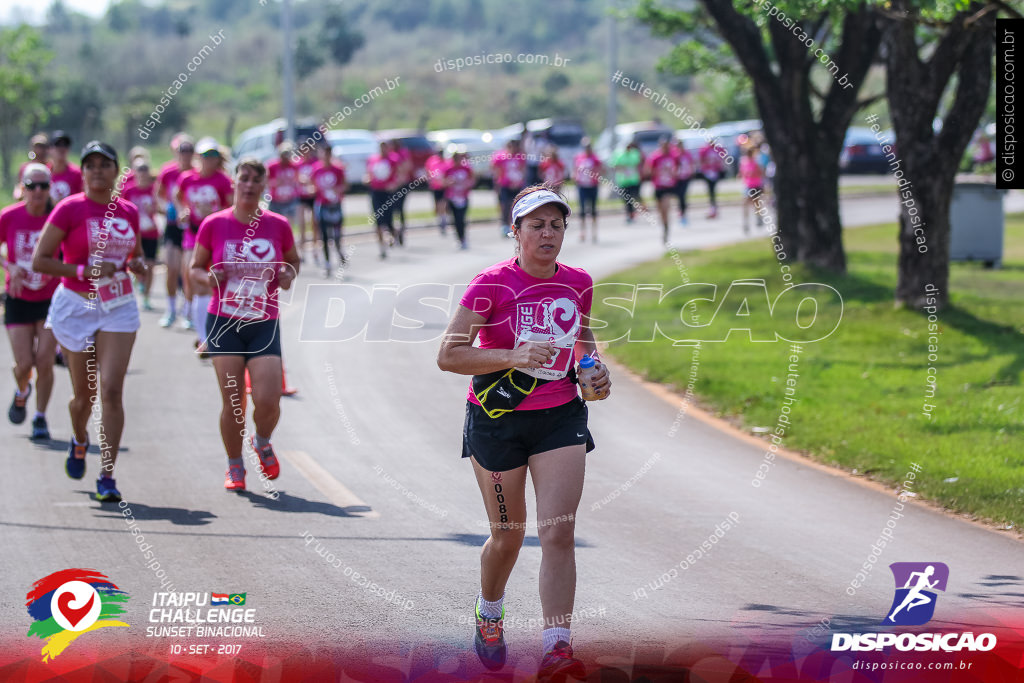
(534, 200)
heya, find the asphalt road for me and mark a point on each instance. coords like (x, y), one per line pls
(371, 473)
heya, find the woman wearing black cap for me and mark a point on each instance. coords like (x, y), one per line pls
(93, 313)
(532, 316)
(66, 178)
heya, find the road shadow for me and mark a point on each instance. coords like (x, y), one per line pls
(143, 512)
(63, 445)
(789, 618)
(477, 540)
(1008, 597)
(286, 502)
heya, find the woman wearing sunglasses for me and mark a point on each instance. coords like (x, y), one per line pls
(28, 297)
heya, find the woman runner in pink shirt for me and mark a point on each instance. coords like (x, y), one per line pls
(28, 298)
(752, 176)
(532, 316)
(588, 170)
(93, 314)
(663, 168)
(245, 254)
(459, 181)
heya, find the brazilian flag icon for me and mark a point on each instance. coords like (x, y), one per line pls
(237, 598)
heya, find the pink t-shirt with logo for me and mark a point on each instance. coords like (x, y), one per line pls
(435, 167)
(19, 232)
(711, 163)
(751, 172)
(509, 170)
(144, 200)
(283, 181)
(170, 175)
(588, 170)
(306, 189)
(552, 171)
(520, 308)
(685, 165)
(663, 169)
(65, 183)
(461, 183)
(250, 256)
(204, 195)
(383, 170)
(91, 238)
(329, 180)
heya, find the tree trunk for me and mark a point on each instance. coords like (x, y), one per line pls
(929, 160)
(923, 265)
(806, 188)
(805, 145)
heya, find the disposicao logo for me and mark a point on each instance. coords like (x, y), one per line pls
(913, 605)
(916, 583)
(72, 602)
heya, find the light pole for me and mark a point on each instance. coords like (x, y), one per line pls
(288, 67)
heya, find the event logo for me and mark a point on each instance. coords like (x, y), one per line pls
(913, 605)
(916, 582)
(69, 603)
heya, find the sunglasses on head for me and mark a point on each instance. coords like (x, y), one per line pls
(42, 185)
(186, 150)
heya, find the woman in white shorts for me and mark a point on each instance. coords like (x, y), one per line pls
(94, 315)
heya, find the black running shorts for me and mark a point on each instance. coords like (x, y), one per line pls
(22, 312)
(233, 337)
(173, 234)
(506, 443)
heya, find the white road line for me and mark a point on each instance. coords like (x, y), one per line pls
(335, 491)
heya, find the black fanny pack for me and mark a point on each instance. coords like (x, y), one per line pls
(501, 391)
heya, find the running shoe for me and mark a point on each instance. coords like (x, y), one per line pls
(489, 640)
(684, 221)
(168, 319)
(187, 324)
(234, 480)
(40, 431)
(75, 464)
(146, 305)
(106, 490)
(558, 664)
(16, 413)
(268, 461)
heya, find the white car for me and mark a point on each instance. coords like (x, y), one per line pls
(471, 141)
(646, 134)
(353, 147)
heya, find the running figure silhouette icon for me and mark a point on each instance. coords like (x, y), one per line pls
(916, 586)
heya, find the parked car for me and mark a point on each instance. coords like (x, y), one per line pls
(262, 141)
(646, 134)
(565, 134)
(472, 142)
(862, 153)
(416, 142)
(353, 147)
(692, 140)
(732, 136)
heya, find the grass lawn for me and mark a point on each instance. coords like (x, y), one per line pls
(861, 390)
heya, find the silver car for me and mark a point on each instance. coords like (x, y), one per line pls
(474, 143)
(353, 147)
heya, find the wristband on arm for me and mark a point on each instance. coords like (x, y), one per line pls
(80, 273)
